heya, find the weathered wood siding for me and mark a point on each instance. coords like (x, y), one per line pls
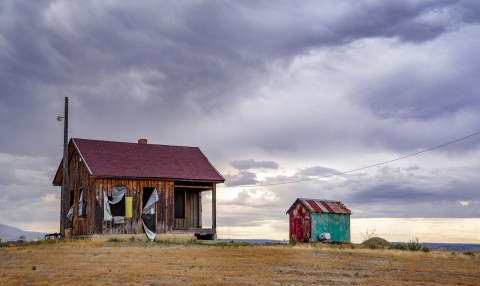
(94, 192)
(134, 189)
(78, 179)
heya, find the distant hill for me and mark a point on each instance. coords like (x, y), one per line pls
(10, 233)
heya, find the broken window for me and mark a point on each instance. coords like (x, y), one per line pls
(179, 204)
(71, 201)
(82, 204)
(114, 205)
(118, 209)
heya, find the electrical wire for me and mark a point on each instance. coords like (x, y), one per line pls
(362, 168)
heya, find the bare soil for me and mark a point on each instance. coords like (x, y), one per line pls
(86, 262)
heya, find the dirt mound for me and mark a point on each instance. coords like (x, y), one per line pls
(377, 241)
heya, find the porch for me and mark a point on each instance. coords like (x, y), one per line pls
(188, 209)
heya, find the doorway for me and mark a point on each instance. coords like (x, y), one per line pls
(149, 216)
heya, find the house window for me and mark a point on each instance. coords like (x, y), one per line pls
(180, 204)
(118, 209)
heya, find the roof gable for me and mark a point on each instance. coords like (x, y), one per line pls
(133, 160)
(322, 206)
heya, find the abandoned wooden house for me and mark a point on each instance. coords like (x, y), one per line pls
(134, 188)
(318, 220)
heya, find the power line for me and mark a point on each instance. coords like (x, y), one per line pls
(363, 168)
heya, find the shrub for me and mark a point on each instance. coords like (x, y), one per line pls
(113, 239)
(469, 253)
(34, 267)
(368, 234)
(414, 244)
(398, 246)
(293, 241)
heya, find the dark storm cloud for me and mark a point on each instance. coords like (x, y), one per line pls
(428, 92)
(317, 171)
(253, 164)
(240, 179)
(183, 71)
(119, 60)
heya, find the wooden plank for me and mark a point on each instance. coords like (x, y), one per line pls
(193, 187)
(214, 206)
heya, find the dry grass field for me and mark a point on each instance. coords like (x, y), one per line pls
(86, 262)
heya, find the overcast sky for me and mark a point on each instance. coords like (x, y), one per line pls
(271, 91)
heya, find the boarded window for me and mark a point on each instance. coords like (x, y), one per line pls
(179, 204)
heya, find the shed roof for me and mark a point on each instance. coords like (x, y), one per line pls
(135, 160)
(322, 206)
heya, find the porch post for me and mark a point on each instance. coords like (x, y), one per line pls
(214, 206)
(200, 209)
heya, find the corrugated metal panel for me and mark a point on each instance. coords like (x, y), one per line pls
(323, 206)
(338, 225)
(299, 223)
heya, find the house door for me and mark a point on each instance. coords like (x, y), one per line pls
(149, 216)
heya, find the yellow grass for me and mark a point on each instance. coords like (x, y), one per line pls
(87, 262)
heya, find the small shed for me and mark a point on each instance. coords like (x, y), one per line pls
(311, 217)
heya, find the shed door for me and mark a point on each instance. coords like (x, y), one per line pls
(298, 227)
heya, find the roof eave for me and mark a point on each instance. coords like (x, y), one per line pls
(155, 178)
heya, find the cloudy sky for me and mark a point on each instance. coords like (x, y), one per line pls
(271, 91)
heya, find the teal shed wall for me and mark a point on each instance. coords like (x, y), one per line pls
(338, 225)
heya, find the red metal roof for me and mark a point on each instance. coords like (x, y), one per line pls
(322, 206)
(134, 160)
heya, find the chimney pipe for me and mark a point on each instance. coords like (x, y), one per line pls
(142, 141)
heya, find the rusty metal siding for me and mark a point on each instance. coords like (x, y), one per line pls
(300, 225)
(325, 206)
(338, 225)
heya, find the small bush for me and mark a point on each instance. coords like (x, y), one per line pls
(114, 239)
(132, 239)
(469, 253)
(412, 245)
(368, 234)
(34, 267)
(425, 249)
(293, 241)
(398, 246)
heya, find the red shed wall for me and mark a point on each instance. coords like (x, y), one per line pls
(300, 223)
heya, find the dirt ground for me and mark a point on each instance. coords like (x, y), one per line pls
(85, 262)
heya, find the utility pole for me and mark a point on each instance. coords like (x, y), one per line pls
(64, 191)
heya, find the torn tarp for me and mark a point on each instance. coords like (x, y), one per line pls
(82, 206)
(70, 214)
(148, 216)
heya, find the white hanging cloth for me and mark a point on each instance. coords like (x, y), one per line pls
(117, 195)
(148, 214)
